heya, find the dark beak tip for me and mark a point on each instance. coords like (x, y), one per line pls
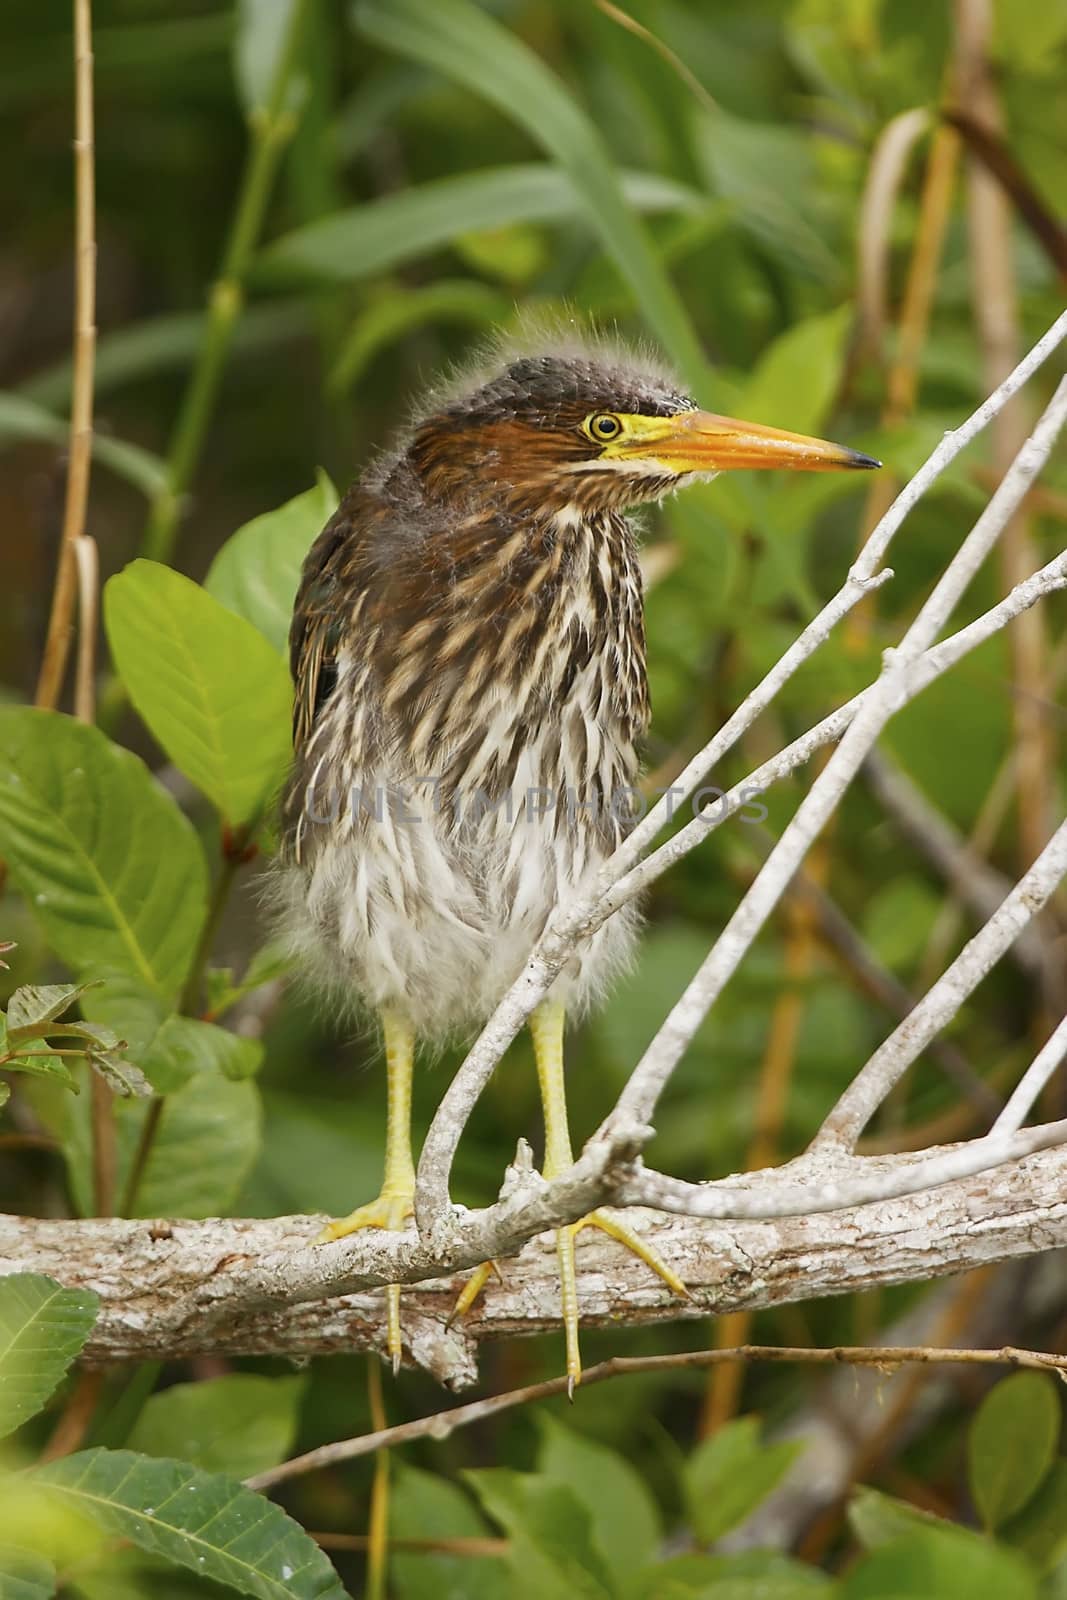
(863, 462)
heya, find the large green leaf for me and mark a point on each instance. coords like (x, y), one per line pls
(257, 570)
(877, 1519)
(239, 1424)
(753, 1575)
(625, 1522)
(795, 380)
(391, 316)
(211, 689)
(949, 1565)
(1012, 1442)
(488, 58)
(1040, 1528)
(208, 1523)
(382, 234)
(426, 1505)
(185, 1046)
(552, 1555)
(42, 1328)
(728, 1476)
(208, 1139)
(25, 1576)
(110, 867)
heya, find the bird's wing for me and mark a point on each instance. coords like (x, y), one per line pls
(318, 623)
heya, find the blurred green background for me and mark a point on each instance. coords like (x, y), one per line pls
(714, 179)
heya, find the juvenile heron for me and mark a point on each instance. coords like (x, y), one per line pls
(469, 658)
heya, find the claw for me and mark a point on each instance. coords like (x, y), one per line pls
(391, 1212)
(568, 1278)
(471, 1290)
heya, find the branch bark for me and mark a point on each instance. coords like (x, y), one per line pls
(176, 1289)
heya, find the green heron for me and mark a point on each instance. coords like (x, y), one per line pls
(468, 653)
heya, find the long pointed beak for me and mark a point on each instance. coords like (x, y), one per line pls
(700, 441)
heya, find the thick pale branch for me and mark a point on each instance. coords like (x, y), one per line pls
(179, 1288)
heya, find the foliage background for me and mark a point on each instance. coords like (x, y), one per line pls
(445, 170)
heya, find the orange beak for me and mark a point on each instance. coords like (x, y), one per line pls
(700, 441)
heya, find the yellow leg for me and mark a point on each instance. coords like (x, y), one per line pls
(546, 1029)
(396, 1203)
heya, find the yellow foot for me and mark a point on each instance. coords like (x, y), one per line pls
(389, 1211)
(568, 1278)
(473, 1288)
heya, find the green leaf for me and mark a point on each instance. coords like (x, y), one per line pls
(42, 1328)
(257, 571)
(769, 176)
(753, 1575)
(552, 1552)
(1040, 1528)
(398, 313)
(25, 1576)
(110, 867)
(24, 419)
(120, 1075)
(31, 1007)
(728, 1476)
(239, 1424)
(425, 1505)
(262, 26)
(185, 1046)
(625, 1523)
(208, 1139)
(271, 961)
(877, 1519)
(491, 61)
(796, 379)
(1011, 1444)
(208, 1523)
(164, 344)
(42, 1064)
(382, 234)
(210, 688)
(951, 1565)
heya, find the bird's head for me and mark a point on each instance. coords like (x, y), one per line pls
(594, 432)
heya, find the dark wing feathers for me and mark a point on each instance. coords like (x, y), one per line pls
(318, 622)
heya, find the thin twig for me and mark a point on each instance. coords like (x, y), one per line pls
(378, 1532)
(995, 298)
(442, 1424)
(1037, 1074)
(88, 565)
(980, 886)
(61, 619)
(866, 1092)
(885, 175)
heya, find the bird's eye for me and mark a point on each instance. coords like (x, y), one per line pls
(602, 427)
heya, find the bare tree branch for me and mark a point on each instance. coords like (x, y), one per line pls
(176, 1289)
(885, 1358)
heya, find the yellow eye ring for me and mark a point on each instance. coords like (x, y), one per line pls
(602, 427)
